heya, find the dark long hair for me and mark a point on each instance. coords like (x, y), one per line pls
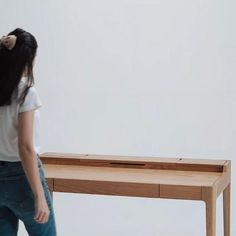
(14, 62)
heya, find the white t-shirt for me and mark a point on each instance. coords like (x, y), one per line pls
(9, 123)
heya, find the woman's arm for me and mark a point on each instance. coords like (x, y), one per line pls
(27, 152)
(29, 163)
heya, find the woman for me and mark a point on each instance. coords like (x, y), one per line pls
(24, 192)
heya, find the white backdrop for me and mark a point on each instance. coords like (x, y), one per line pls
(133, 77)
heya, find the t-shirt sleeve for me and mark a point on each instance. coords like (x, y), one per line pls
(32, 101)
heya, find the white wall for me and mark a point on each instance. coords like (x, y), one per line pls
(133, 77)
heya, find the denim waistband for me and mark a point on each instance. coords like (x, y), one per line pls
(14, 163)
(11, 170)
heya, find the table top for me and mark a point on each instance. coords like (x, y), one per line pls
(132, 169)
(192, 178)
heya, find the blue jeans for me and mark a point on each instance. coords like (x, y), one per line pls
(17, 201)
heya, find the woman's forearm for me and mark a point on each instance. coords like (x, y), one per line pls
(29, 163)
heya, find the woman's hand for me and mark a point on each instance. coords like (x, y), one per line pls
(41, 210)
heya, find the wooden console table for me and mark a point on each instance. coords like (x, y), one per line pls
(172, 178)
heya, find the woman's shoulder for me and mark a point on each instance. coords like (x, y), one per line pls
(21, 88)
(23, 84)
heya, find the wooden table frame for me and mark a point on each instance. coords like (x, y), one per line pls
(155, 177)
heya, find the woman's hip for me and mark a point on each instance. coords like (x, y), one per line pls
(14, 170)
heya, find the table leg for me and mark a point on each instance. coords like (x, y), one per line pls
(226, 201)
(209, 196)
